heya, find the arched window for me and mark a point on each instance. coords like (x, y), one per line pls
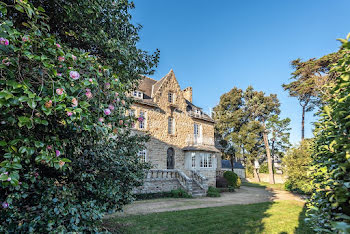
(170, 158)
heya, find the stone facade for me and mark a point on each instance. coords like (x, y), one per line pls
(182, 135)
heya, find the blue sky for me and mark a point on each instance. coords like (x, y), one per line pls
(216, 45)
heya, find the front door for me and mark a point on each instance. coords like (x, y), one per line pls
(170, 158)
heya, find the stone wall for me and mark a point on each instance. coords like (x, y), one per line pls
(210, 175)
(158, 185)
(279, 179)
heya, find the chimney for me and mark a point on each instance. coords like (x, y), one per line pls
(188, 93)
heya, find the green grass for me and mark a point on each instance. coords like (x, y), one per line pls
(264, 185)
(267, 217)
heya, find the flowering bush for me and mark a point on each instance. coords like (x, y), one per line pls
(60, 169)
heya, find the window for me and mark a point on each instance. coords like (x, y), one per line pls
(197, 111)
(137, 94)
(193, 160)
(196, 129)
(142, 120)
(171, 97)
(206, 160)
(142, 155)
(170, 125)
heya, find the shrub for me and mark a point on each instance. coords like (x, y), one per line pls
(328, 208)
(221, 182)
(180, 193)
(239, 182)
(147, 196)
(231, 178)
(213, 192)
(264, 168)
(60, 168)
(297, 162)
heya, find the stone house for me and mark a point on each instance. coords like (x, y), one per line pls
(181, 149)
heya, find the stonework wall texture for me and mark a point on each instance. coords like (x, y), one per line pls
(156, 186)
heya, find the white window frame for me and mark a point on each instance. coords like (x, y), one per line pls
(171, 97)
(137, 94)
(142, 124)
(171, 125)
(206, 160)
(142, 155)
(193, 160)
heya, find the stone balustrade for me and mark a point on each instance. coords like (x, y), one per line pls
(200, 180)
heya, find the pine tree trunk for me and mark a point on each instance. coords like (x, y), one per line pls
(303, 123)
(256, 175)
(269, 159)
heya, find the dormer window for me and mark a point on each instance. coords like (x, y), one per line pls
(171, 97)
(137, 94)
(197, 112)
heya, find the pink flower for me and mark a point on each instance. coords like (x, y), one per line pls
(116, 94)
(61, 58)
(58, 153)
(90, 80)
(49, 147)
(107, 85)
(6, 62)
(87, 90)
(88, 94)
(60, 66)
(74, 102)
(58, 45)
(59, 91)
(123, 102)
(9, 179)
(107, 111)
(25, 38)
(4, 41)
(5, 205)
(74, 75)
(101, 119)
(61, 163)
(121, 122)
(111, 107)
(140, 119)
(69, 113)
(74, 57)
(59, 74)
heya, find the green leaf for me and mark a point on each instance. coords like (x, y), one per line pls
(3, 143)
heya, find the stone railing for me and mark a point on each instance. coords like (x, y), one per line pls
(162, 174)
(199, 140)
(166, 174)
(200, 180)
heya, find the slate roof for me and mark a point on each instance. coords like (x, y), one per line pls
(150, 87)
(227, 164)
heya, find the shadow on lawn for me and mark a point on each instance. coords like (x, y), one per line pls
(303, 227)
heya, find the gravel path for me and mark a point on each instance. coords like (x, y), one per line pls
(244, 195)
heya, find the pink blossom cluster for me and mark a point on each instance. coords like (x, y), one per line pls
(6, 62)
(61, 58)
(88, 93)
(4, 41)
(60, 91)
(74, 75)
(74, 102)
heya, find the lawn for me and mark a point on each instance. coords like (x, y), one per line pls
(267, 217)
(264, 185)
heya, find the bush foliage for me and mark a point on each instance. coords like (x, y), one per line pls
(297, 162)
(329, 206)
(60, 168)
(231, 178)
(213, 192)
